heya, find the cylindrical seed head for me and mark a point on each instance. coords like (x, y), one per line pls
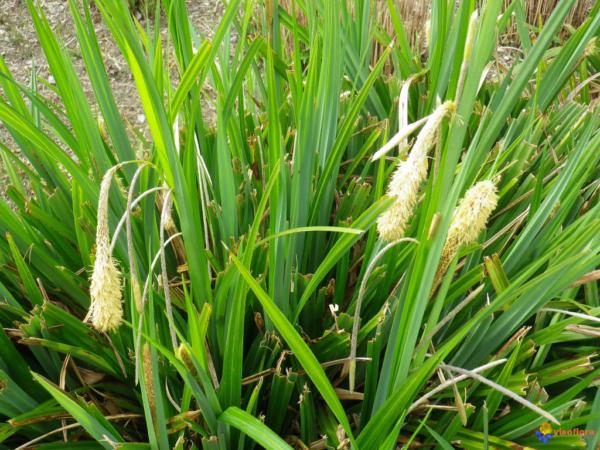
(408, 177)
(468, 221)
(404, 188)
(106, 310)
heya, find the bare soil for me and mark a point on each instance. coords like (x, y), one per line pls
(22, 53)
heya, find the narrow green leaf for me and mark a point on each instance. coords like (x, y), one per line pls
(99, 429)
(254, 428)
(301, 351)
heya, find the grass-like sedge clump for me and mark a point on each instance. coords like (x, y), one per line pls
(279, 283)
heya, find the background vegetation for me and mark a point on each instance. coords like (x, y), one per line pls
(241, 322)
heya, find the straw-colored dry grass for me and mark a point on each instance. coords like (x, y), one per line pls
(415, 13)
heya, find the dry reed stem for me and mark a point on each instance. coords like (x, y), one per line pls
(165, 219)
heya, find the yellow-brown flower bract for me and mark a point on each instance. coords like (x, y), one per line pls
(408, 177)
(468, 221)
(148, 378)
(106, 310)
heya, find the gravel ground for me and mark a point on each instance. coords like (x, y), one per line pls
(21, 51)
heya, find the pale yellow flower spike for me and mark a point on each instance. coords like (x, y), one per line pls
(468, 221)
(428, 134)
(106, 310)
(408, 177)
(404, 187)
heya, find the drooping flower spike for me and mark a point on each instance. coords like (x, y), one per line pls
(408, 177)
(404, 188)
(468, 221)
(106, 309)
